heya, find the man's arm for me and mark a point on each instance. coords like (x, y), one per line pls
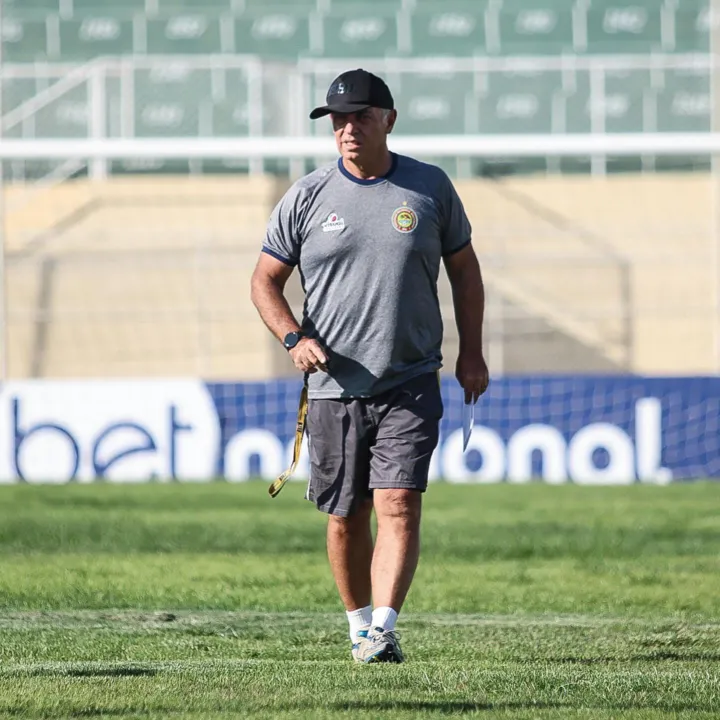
(267, 294)
(463, 270)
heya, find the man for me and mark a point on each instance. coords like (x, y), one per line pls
(368, 234)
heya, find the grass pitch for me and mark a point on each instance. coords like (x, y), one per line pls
(213, 601)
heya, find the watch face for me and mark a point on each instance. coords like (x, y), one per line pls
(291, 340)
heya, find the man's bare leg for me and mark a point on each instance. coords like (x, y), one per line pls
(397, 548)
(350, 551)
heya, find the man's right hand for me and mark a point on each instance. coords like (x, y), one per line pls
(309, 356)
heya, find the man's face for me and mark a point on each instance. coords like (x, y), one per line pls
(361, 134)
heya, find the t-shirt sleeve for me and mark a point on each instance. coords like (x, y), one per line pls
(283, 236)
(456, 231)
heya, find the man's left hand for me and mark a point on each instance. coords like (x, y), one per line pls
(471, 372)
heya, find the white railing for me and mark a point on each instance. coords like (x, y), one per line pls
(108, 107)
(487, 146)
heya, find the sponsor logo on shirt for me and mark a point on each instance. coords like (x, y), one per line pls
(404, 219)
(333, 223)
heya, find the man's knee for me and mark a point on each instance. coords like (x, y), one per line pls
(357, 521)
(398, 505)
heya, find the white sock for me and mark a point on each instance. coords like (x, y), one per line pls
(384, 617)
(359, 620)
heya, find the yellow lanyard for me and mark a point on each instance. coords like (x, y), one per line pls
(278, 484)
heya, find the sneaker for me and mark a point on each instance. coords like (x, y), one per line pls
(362, 634)
(380, 646)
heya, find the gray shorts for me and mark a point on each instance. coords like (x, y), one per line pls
(361, 444)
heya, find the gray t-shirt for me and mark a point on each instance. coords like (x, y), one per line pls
(369, 254)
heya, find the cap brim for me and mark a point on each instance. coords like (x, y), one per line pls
(319, 112)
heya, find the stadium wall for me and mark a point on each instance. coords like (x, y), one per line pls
(149, 276)
(589, 430)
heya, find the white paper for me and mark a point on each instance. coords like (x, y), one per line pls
(468, 421)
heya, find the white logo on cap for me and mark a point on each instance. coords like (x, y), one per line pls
(333, 223)
(340, 88)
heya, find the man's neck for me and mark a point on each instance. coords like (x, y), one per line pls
(369, 168)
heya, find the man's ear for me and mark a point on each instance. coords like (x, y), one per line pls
(390, 122)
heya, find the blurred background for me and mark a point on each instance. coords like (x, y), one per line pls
(139, 265)
(143, 145)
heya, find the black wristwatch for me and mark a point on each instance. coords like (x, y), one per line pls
(292, 339)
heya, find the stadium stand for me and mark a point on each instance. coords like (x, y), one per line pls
(145, 273)
(683, 101)
(544, 29)
(529, 100)
(432, 103)
(82, 29)
(459, 30)
(184, 100)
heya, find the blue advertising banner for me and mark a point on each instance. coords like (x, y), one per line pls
(587, 430)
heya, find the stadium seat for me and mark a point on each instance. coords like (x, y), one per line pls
(451, 29)
(577, 103)
(684, 103)
(107, 8)
(629, 97)
(536, 29)
(273, 33)
(432, 103)
(360, 35)
(168, 100)
(230, 113)
(191, 34)
(92, 36)
(299, 6)
(519, 102)
(66, 117)
(436, 5)
(179, 6)
(15, 91)
(24, 40)
(230, 118)
(627, 105)
(365, 5)
(114, 107)
(692, 27)
(29, 8)
(630, 26)
(235, 85)
(318, 84)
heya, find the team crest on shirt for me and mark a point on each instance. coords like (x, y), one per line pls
(404, 219)
(333, 223)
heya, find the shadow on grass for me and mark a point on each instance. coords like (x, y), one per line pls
(105, 712)
(579, 660)
(659, 656)
(91, 712)
(80, 672)
(676, 656)
(110, 672)
(450, 707)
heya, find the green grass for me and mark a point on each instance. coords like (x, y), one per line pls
(213, 601)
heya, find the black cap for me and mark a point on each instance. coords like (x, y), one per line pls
(355, 90)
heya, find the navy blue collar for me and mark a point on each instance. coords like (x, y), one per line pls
(373, 181)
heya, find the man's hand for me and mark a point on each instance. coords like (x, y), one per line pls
(309, 356)
(471, 372)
